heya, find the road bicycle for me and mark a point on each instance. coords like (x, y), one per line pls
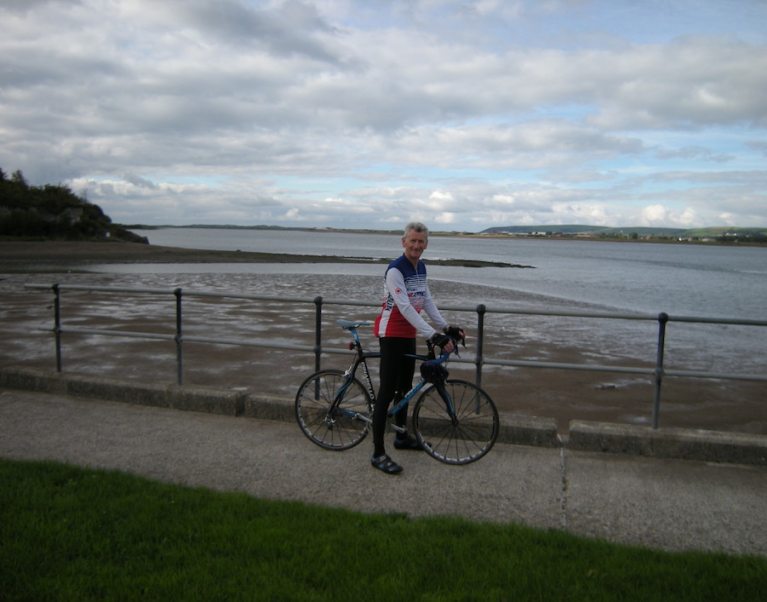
(454, 420)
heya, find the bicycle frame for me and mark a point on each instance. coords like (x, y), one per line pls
(360, 360)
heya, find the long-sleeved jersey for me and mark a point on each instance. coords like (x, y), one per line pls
(406, 294)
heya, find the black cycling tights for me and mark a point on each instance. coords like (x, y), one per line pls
(396, 376)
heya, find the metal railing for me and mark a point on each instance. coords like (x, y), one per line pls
(658, 372)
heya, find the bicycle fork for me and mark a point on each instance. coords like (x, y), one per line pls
(449, 406)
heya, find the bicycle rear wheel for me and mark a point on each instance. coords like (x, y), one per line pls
(335, 426)
(463, 440)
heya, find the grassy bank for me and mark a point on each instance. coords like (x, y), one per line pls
(72, 534)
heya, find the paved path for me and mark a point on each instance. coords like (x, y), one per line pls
(670, 504)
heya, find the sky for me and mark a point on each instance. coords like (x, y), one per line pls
(463, 114)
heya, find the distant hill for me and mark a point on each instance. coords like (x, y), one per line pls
(53, 212)
(718, 234)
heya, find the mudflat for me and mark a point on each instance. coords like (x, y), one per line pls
(52, 255)
(20, 255)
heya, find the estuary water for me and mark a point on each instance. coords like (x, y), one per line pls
(679, 279)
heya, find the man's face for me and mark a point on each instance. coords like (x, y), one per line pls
(415, 244)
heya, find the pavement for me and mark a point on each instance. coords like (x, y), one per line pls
(656, 502)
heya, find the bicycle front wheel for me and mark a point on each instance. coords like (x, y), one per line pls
(332, 410)
(462, 439)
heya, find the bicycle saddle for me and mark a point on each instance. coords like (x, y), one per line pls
(350, 324)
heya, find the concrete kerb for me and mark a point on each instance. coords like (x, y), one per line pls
(691, 444)
(197, 399)
(710, 446)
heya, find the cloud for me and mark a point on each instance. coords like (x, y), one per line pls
(655, 215)
(338, 113)
(286, 29)
(697, 82)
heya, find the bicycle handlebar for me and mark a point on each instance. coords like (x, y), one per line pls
(455, 337)
(454, 334)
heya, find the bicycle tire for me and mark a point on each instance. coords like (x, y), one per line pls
(321, 421)
(470, 437)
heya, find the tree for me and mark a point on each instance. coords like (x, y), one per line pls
(18, 178)
(53, 212)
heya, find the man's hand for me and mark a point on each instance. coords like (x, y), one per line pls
(456, 333)
(442, 341)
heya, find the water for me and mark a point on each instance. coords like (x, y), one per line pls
(711, 281)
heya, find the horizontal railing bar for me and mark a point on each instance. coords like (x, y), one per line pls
(566, 366)
(511, 363)
(210, 294)
(193, 339)
(240, 342)
(279, 299)
(615, 316)
(714, 375)
(728, 321)
(568, 314)
(625, 369)
(117, 333)
(188, 294)
(487, 362)
(104, 289)
(461, 308)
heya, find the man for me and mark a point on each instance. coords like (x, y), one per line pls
(406, 296)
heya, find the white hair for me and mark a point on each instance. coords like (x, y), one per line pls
(417, 227)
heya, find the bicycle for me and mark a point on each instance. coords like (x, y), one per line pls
(454, 420)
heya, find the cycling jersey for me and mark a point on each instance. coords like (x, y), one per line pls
(406, 295)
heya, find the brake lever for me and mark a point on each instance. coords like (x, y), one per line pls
(455, 345)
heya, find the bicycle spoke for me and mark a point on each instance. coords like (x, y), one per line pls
(329, 423)
(464, 440)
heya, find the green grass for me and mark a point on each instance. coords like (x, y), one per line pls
(68, 533)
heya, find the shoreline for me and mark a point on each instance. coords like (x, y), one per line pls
(19, 256)
(671, 236)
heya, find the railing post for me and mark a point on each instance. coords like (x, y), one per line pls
(317, 333)
(662, 321)
(179, 338)
(57, 324)
(481, 309)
